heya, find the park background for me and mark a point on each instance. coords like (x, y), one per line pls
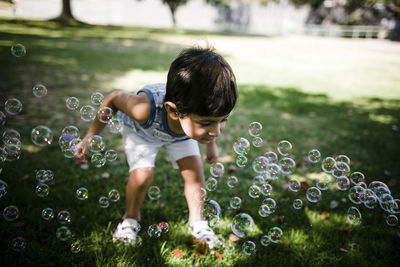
(321, 75)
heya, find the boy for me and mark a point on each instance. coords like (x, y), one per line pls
(192, 107)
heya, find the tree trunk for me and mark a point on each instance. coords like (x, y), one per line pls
(66, 13)
(173, 9)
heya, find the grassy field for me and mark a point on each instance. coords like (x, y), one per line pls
(339, 96)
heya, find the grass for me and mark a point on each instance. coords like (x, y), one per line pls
(77, 61)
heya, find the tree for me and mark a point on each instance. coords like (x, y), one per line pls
(66, 13)
(173, 6)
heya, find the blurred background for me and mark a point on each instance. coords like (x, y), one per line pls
(340, 18)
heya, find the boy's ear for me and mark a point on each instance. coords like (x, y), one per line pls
(171, 110)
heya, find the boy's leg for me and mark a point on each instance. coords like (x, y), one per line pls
(191, 168)
(139, 181)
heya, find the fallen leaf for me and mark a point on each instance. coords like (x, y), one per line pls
(324, 215)
(177, 253)
(218, 255)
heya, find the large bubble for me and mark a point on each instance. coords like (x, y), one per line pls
(96, 144)
(287, 165)
(217, 169)
(211, 208)
(88, 113)
(242, 224)
(13, 106)
(41, 135)
(249, 248)
(260, 164)
(313, 194)
(284, 148)
(104, 114)
(255, 128)
(275, 234)
(241, 146)
(353, 216)
(97, 98)
(72, 103)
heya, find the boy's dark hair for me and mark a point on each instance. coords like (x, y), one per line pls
(201, 82)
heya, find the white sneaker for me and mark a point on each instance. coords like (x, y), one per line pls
(127, 231)
(202, 232)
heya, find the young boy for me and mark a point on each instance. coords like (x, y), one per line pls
(191, 108)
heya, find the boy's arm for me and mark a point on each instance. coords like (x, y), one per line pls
(135, 106)
(211, 152)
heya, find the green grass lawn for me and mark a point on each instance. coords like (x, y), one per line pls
(332, 102)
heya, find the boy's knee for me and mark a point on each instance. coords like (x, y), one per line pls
(142, 178)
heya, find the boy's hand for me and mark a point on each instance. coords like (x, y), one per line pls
(81, 151)
(211, 152)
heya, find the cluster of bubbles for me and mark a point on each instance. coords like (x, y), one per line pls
(335, 173)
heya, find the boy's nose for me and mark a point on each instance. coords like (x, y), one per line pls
(215, 131)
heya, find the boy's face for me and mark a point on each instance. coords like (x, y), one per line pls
(203, 129)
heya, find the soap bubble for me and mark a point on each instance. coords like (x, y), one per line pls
(236, 202)
(114, 195)
(271, 204)
(357, 177)
(72, 103)
(342, 183)
(96, 144)
(97, 98)
(314, 155)
(18, 50)
(98, 160)
(356, 193)
(202, 195)
(153, 192)
(341, 169)
(9, 136)
(12, 152)
(47, 214)
(18, 244)
(287, 165)
(294, 185)
(88, 113)
(104, 202)
(323, 181)
(10, 213)
(255, 128)
(275, 234)
(211, 184)
(343, 158)
(217, 169)
(213, 220)
(211, 208)
(260, 164)
(64, 217)
(257, 141)
(254, 191)
(313, 194)
(353, 216)
(41, 135)
(164, 227)
(104, 114)
(264, 240)
(63, 233)
(13, 106)
(115, 125)
(392, 220)
(82, 193)
(264, 211)
(2, 118)
(328, 164)
(370, 201)
(241, 161)
(39, 90)
(271, 156)
(242, 223)
(44, 175)
(266, 189)
(154, 231)
(75, 247)
(42, 190)
(284, 147)
(3, 188)
(249, 248)
(70, 132)
(273, 170)
(297, 204)
(241, 146)
(232, 181)
(111, 155)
